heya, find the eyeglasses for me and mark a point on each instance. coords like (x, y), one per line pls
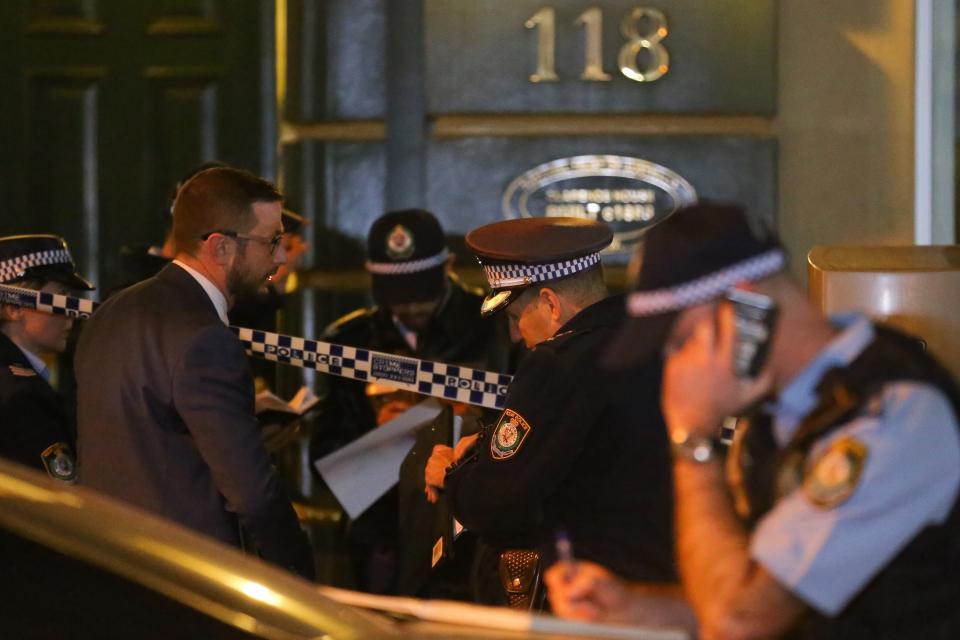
(273, 242)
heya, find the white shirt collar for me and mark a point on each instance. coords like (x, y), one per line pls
(216, 296)
(35, 361)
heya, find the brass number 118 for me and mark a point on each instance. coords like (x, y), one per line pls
(658, 59)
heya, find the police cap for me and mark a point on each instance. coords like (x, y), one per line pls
(696, 255)
(406, 257)
(292, 221)
(44, 257)
(517, 253)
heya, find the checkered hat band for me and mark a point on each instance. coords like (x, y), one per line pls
(708, 287)
(501, 276)
(402, 268)
(15, 267)
(448, 381)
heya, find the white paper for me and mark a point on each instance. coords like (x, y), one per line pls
(301, 402)
(365, 469)
(501, 618)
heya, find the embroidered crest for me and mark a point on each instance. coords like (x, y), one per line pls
(21, 371)
(59, 462)
(832, 478)
(508, 435)
(400, 243)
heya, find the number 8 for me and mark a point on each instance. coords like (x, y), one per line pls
(659, 58)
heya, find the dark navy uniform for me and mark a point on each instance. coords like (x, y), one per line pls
(36, 428)
(408, 262)
(577, 448)
(457, 334)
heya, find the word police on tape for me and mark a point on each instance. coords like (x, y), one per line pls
(453, 382)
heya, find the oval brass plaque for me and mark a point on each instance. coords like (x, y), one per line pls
(629, 194)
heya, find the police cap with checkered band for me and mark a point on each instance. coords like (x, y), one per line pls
(44, 257)
(406, 257)
(518, 253)
(696, 255)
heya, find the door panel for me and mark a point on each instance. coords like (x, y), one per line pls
(112, 101)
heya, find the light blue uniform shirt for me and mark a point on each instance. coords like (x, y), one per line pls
(910, 479)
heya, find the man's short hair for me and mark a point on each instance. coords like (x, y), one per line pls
(218, 199)
(581, 289)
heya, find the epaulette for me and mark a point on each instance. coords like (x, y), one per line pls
(561, 334)
(355, 315)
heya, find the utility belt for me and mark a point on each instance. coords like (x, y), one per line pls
(520, 575)
(481, 388)
(504, 575)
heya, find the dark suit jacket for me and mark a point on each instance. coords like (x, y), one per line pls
(166, 422)
(32, 413)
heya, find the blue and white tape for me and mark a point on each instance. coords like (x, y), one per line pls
(452, 382)
(55, 303)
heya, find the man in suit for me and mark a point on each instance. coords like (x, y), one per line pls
(165, 393)
(38, 429)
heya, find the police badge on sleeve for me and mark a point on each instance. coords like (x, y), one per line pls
(508, 435)
(834, 475)
(60, 463)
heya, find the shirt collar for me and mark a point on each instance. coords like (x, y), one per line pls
(216, 296)
(35, 361)
(799, 397)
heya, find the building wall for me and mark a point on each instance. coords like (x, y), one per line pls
(845, 124)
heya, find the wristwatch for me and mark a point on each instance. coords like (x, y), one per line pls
(694, 448)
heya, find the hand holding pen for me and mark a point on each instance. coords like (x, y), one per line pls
(582, 590)
(565, 557)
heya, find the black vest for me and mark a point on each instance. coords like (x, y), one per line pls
(916, 595)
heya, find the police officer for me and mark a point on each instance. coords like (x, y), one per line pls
(37, 428)
(577, 448)
(839, 518)
(422, 310)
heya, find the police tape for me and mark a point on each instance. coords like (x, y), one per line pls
(453, 382)
(486, 389)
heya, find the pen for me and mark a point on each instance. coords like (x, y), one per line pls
(565, 553)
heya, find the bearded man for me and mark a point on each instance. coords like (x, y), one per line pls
(165, 393)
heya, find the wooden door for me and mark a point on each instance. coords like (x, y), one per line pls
(106, 103)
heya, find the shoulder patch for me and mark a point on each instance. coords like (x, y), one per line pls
(60, 463)
(508, 435)
(22, 371)
(832, 477)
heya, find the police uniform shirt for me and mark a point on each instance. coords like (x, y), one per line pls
(578, 448)
(883, 477)
(35, 429)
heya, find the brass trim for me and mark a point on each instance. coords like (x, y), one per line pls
(66, 26)
(184, 26)
(597, 124)
(532, 125)
(358, 280)
(67, 72)
(174, 72)
(346, 130)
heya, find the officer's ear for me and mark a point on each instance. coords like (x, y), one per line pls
(550, 301)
